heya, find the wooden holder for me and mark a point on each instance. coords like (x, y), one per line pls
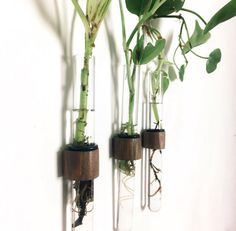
(127, 147)
(81, 165)
(153, 139)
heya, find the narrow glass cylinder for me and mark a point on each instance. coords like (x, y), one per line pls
(154, 180)
(155, 99)
(83, 99)
(126, 190)
(128, 149)
(155, 125)
(130, 100)
(82, 143)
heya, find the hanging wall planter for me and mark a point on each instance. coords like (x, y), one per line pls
(141, 54)
(138, 51)
(126, 149)
(81, 167)
(81, 156)
(153, 139)
(81, 162)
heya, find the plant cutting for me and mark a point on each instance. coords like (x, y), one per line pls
(138, 51)
(81, 156)
(127, 144)
(153, 138)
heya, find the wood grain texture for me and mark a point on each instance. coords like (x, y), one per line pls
(153, 139)
(81, 165)
(126, 148)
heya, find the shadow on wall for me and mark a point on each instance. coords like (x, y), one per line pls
(115, 106)
(54, 13)
(57, 19)
(114, 57)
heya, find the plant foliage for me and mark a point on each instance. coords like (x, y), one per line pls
(150, 46)
(213, 60)
(169, 7)
(182, 72)
(225, 13)
(198, 38)
(138, 7)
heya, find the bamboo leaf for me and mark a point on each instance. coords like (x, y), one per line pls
(170, 6)
(91, 9)
(225, 13)
(182, 72)
(81, 15)
(150, 51)
(198, 38)
(213, 60)
(96, 10)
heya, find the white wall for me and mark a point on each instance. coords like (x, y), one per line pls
(199, 179)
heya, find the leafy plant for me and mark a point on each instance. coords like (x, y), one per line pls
(145, 52)
(140, 54)
(91, 19)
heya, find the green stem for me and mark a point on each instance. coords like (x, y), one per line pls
(131, 83)
(155, 88)
(130, 78)
(144, 19)
(83, 107)
(130, 128)
(127, 166)
(195, 13)
(199, 56)
(154, 106)
(125, 47)
(82, 16)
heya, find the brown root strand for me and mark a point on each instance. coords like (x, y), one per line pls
(84, 195)
(156, 171)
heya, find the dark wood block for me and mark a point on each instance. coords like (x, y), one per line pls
(126, 147)
(81, 165)
(153, 139)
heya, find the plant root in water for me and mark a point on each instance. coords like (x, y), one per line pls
(127, 167)
(156, 172)
(84, 195)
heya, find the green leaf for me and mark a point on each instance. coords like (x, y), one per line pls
(165, 83)
(182, 72)
(150, 51)
(96, 10)
(138, 50)
(172, 73)
(225, 13)
(170, 6)
(138, 7)
(198, 38)
(213, 60)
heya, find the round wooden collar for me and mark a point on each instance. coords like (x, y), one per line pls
(153, 138)
(126, 147)
(81, 162)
